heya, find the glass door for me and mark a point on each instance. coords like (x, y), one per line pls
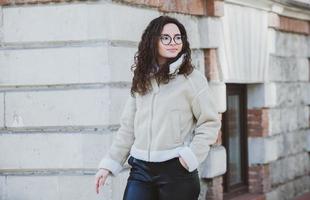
(235, 141)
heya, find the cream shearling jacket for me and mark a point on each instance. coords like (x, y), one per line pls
(174, 119)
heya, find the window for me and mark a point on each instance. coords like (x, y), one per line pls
(235, 141)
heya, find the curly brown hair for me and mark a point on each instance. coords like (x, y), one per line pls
(145, 58)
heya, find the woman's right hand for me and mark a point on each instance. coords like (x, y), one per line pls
(100, 178)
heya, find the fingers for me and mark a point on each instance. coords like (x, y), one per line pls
(99, 182)
(183, 162)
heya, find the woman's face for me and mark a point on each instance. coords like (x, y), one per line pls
(170, 43)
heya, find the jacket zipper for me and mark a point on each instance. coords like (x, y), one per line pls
(152, 108)
(150, 130)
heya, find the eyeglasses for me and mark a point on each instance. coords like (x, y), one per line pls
(166, 39)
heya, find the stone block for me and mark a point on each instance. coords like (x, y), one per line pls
(77, 107)
(289, 168)
(287, 69)
(53, 150)
(289, 44)
(290, 190)
(288, 94)
(66, 186)
(209, 31)
(289, 118)
(262, 95)
(75, 22)
(97, 64)
(2, 114)
(275, 125)
(55, 66)
(262, 150)
(308, 141)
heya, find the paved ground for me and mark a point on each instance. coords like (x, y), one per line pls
(304, 197)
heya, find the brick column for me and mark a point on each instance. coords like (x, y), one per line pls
(258, 174)
(211, 65)
(258, 122)
(215, 188)
(259, 179)
(212, 72)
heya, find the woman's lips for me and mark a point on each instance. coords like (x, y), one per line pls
(171, 50)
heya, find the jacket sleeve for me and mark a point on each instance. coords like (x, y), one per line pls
(118, 152)
(206, 131)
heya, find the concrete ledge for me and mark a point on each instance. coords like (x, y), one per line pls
(215, 163)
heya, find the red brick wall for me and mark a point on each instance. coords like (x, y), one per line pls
(215, 189)
(192, 7)
(259, 179)
(211, 64)
(257, 122)
(288, 24)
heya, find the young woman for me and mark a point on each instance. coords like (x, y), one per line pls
(168, 122)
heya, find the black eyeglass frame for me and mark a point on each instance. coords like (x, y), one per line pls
(161, 36)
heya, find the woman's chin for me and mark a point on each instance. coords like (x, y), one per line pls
(171, 55)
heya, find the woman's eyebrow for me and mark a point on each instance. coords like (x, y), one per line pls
(173, 35)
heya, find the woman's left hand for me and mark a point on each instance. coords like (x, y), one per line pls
(183, 163)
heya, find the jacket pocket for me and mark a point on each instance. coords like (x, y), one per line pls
(175, 117)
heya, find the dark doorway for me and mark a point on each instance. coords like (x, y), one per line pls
(235, 141)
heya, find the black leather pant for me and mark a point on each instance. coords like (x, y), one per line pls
(167, 180)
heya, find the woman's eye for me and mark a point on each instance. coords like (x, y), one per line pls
(165, 37)
(178, 37)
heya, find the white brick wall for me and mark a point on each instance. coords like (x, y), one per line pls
(66, 66)
(54, 150)
(288, 119)
(82, 64)
(75, 21)
(81, 107)
(79, 187)
(55, 66)
(1, 109)
(60, 65)
(58, 108)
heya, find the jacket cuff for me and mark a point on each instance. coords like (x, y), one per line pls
(189, 157)
(111, 165)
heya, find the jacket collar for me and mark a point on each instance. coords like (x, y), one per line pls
(175, 66)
